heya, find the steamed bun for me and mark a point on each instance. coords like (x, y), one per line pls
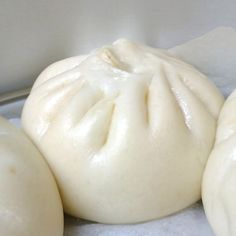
(126, 129)
(30, 204)
(219, 182)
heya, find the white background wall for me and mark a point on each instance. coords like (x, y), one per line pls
(34, 34)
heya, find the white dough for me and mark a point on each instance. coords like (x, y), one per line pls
(219, 183)
(30, 204)
(126, 129)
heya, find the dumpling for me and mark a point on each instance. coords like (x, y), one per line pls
(30, 204)
(219, 182)
(126, 129)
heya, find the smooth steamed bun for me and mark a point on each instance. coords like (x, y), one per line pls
(126, 129)
(219, 182)
(30, 204)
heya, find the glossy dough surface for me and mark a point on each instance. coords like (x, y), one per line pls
(219, 183)
(127, 130)
(30, 204)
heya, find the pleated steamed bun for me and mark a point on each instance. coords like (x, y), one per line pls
(219, 182)
(126, 129)
(30, 204)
